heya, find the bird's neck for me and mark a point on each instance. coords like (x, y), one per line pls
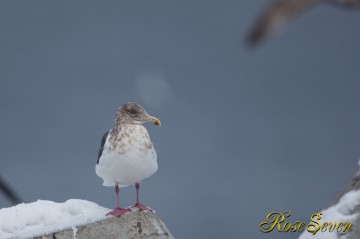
(119, 122)
(119, 126)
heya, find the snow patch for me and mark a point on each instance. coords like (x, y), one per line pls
(45, 217)
(341, 212)
(74, 232)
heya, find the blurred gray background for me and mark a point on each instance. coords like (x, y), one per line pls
(244, 131)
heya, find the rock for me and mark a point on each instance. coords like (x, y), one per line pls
(134, 225)
(352, 184)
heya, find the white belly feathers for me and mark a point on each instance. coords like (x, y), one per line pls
(128, 157)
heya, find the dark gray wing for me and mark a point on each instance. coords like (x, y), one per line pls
(103, 140)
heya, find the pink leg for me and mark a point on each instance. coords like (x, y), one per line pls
(117, 191)
(138, 204)
(118, 211)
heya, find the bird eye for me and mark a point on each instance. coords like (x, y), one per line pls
(133, 112)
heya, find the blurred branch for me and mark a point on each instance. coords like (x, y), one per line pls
(9, 192)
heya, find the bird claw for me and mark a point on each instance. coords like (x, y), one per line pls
(142, 207)
(118, 212)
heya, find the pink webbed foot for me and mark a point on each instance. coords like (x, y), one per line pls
(138, 205)
(118, 212)
(142, 207)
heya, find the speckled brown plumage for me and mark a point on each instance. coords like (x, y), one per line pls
(127, 118)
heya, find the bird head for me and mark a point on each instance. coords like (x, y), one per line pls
(134, 113)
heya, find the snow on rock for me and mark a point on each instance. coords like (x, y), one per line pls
(341, 212)
(45, 217)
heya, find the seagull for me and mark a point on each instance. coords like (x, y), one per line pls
(127, 155)
(281, 11)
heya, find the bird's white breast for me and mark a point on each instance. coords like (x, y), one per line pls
(128, 157)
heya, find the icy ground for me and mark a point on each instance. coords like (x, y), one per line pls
(341, 212)
(44, 217)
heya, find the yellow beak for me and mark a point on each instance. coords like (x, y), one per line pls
(154, 120)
